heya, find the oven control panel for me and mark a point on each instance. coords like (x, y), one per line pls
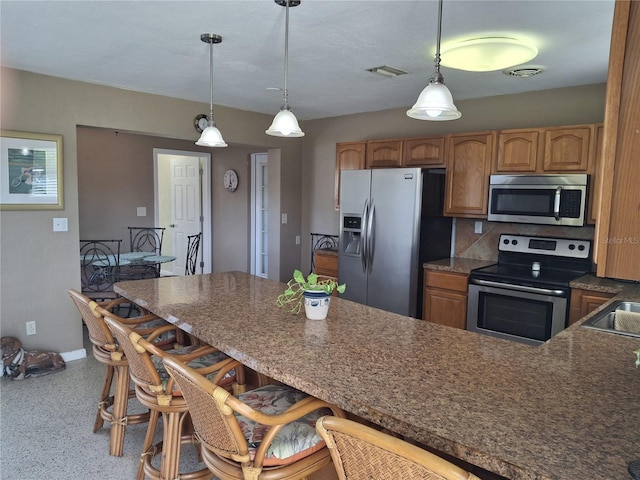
(561, 247)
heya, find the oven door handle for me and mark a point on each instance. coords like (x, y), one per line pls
(520, 288)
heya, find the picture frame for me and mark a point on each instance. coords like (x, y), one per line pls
(31, 171)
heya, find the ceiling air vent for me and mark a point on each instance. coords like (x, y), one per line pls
(387, 71)
(524, 72)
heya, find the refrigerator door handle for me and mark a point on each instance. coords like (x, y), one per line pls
(370, 236)
(363, 235)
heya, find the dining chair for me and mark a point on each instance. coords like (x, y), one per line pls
(113, 407)
(193, 246)
(267, 433)
(149, 240)
(360, 452)
(158, 392)
(100, 267)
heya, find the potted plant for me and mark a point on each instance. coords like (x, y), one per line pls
(314, 292)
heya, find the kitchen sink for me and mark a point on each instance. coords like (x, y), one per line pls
(606, 320)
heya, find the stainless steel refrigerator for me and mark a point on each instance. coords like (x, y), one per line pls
(390, 224)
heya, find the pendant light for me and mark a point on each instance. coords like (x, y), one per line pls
(285, 123)
(211, 136)
(435, 101)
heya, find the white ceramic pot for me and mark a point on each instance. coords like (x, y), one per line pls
(316, 304)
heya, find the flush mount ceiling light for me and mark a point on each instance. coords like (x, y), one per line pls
(435, 101)
(211, 136)
(486, 54)
(285, 123)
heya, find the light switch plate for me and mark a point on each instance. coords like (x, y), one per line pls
(60, 224)
(142, 211)
(284, 218)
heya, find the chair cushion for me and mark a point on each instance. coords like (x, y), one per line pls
(296, 440)
(200, 362)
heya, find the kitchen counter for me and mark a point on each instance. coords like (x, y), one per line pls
(456, 265)
(597, 284)
(565, 410)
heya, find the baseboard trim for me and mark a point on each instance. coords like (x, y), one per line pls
(74, 355)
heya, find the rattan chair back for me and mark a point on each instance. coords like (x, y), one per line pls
(226, 452)
(360, 452)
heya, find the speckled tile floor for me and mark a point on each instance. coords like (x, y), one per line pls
(46, 430)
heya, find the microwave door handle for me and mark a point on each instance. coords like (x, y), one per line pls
(556, 203)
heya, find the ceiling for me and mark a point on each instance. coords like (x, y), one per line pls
(155, 47)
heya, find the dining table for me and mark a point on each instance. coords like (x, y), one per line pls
(567, 409)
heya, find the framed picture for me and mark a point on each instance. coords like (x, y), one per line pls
(30, 171)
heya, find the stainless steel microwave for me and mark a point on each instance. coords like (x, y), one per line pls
(547, 199)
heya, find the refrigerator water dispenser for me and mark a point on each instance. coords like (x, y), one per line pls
(351, 235)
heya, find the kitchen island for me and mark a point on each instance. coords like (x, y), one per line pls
(565, 410)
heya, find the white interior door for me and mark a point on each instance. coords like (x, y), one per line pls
(260, 215)
(186, 208)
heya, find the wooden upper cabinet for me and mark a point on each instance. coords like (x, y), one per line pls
(384, 153)
(349, 156)
(469, 159)
(567, 149)
(617, 239)
(423, 152)
(518, 151)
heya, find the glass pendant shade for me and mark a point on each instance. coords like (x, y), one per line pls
(211, 137)
(434, 103)
(285, 124)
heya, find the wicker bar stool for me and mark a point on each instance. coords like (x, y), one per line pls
(112, 408)
(363, 453)
(158, 392)
(263, 434)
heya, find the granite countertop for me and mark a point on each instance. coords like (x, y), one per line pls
(567, 409)
(597, 284)
(457, 265)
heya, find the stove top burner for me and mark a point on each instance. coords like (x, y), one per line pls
(538, 261)
(525, 275)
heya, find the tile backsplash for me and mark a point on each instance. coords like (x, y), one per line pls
(484, 246)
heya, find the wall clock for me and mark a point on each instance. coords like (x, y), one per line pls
(201, 122)
(230, 180)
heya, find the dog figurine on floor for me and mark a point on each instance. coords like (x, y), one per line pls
(19, 364)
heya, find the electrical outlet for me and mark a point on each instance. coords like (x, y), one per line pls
(297, 239)
(31, 328)
(478, 227)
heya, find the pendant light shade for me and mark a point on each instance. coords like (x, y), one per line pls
(285, 123)
(211, 136)
(435, 102)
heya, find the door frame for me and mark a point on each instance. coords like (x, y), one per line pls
(205, 195)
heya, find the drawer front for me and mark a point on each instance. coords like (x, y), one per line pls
(446, 280)
(326, 264)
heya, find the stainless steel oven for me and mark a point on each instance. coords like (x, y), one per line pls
(540, 199)
(525, 296)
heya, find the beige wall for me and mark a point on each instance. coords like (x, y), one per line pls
(37, 266)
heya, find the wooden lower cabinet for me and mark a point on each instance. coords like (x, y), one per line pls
(584, 302)
(325, 263)
(445, 298)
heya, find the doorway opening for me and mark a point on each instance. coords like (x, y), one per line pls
(182, 199)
